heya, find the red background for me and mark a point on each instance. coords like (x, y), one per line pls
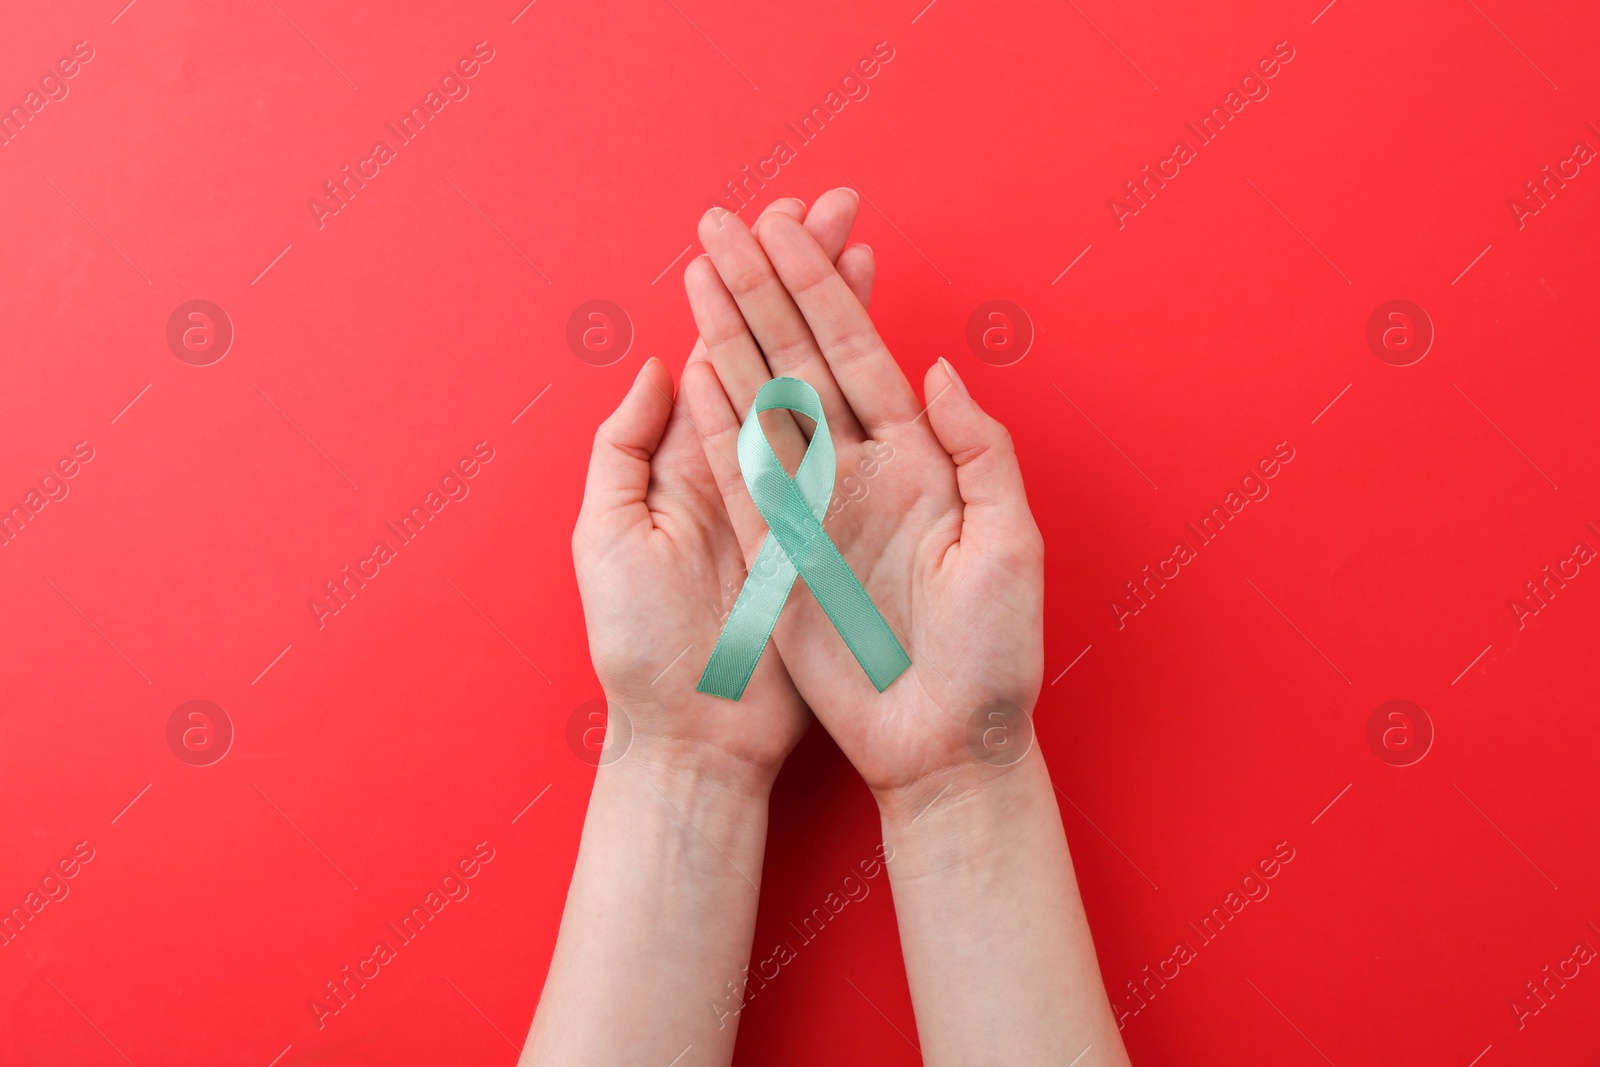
(1223, 318)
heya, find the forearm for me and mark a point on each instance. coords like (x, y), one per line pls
(998, 952)
(658, 920)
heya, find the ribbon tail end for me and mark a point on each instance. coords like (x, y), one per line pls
(720, 687)
(882, 679)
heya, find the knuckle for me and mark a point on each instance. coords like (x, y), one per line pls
(723, 334)
(747, 278)
(608, 438)
(1002, 444)
(729, 483)
(854, 347)
(806, 276)
(792, 351)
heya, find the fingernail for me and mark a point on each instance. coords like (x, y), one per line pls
(955, 379)
(774, 206)
(852, 192)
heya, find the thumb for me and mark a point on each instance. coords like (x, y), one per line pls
(619, 467)
(987, 474)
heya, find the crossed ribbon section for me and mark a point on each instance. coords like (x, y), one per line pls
(796, 545)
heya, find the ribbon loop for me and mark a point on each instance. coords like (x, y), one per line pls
(796, 545)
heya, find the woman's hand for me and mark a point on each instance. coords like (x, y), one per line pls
(939, 531)
(654, 556)
(936, 526)
(658, 567)
(655, 938)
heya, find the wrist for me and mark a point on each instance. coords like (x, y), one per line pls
(986, 753)
(949, 790)
(673, 764)
(693, 821)
(964, 816)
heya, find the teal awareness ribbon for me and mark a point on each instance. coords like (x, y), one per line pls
(795, 545)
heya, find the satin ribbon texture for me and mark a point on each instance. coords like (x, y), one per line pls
(795, 545)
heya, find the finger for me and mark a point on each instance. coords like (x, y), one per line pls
(866, 373)
(619, 466)
(679, 476)
(791, 206)
(831, 219)
(987, 474)
(732, 350)
(774, 321)
(858, 266)
(713, 413)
